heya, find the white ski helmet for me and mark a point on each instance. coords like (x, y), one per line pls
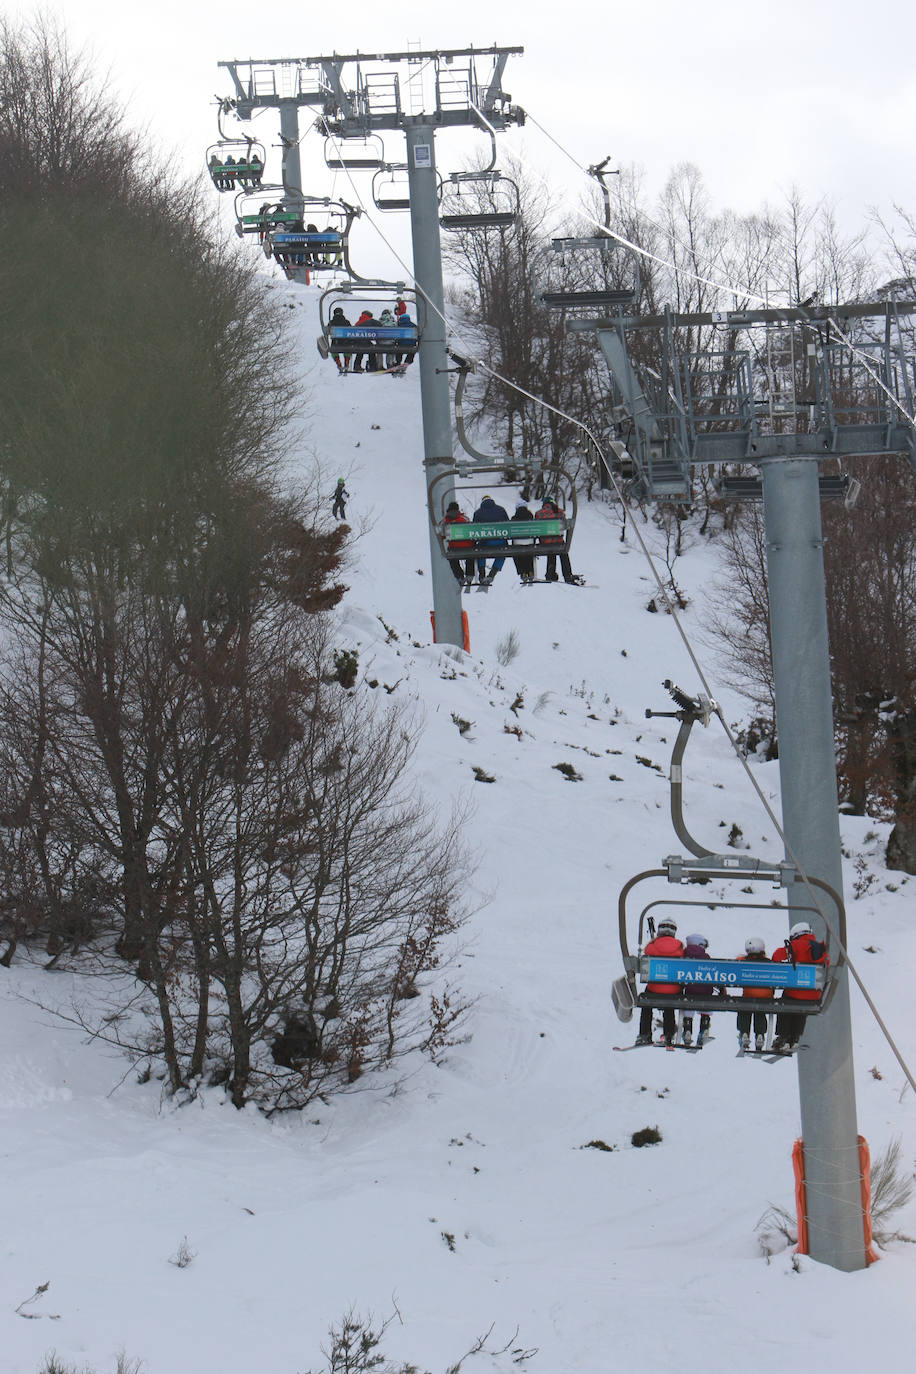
(754, 945)
(667, 927)
(800, 928)
(699, 940)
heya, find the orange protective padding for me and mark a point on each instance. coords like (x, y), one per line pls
(801, 1206)
(871, 1254)
(465, 630)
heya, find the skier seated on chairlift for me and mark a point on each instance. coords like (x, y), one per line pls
(289, 255)
(315, 256)
(489, 513)
(462, 572)
(324, 255)
(404, 322)
(524, 562)
(665, 945)
(800, 948)
(754, 951)
(388, 320)
(550, 510)
(266, 220)
(373, 361)
(340, 321)
(298, 259)
(697, 947)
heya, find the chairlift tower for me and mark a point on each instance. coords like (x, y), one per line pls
(672, 434)
(359, 96)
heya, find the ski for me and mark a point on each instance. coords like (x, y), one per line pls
(542, 582)
(660, 1045)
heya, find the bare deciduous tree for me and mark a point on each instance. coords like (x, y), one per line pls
(186, 787)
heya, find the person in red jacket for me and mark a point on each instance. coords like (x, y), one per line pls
(364, 319)
(800, 948)
(463, 573)
(551, 511)
(755, 951)
(666, 945)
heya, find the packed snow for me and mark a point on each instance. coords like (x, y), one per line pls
(475, 1196)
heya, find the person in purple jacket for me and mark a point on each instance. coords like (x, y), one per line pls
(695, 947)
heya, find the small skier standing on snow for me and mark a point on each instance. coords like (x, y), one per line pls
(666, 945)
(800, 948)
(339, 509)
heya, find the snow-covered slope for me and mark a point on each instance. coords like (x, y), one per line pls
(465, 1195)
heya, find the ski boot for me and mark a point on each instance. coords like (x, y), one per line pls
(744, 1041)
(759, 1042)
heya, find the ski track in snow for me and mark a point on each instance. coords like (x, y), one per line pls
(599, 1258)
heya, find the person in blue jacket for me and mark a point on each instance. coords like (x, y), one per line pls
(489, 513)
(403, 320)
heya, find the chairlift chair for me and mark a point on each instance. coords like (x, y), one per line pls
(381, 342)
(535, 537)
(390, 188)
(529, 477)
(255, 215)
(301, 248)
(231, 173)
(364, 153)
(588, 246)
(706, 983)
(502, 192)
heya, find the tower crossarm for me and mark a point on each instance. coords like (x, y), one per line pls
(845, 389)
(349, 99)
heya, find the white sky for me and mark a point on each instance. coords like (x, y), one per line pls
(806, 92)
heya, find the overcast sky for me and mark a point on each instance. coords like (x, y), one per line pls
(807, 92)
